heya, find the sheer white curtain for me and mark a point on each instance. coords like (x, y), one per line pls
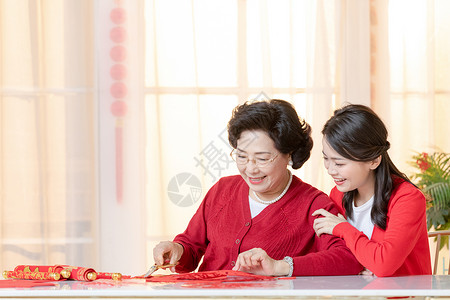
(411, 76)
(410, 79)
(47, 134)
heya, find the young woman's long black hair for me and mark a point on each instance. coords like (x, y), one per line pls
(357, 133)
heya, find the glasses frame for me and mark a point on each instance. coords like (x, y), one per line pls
(271, 160)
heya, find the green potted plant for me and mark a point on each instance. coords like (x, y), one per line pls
(433, 178)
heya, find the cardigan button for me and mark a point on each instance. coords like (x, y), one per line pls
(247, 224)
(233, 263)
(237, 241)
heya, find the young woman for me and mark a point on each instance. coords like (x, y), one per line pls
(382, 214)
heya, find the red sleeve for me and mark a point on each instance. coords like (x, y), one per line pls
(194, 239)
(336, 197)
(331, 255)
(405, 218)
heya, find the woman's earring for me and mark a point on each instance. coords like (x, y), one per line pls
(290, 162)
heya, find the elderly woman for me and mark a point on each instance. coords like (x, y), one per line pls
(261, 221)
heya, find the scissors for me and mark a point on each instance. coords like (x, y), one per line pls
(155, 267)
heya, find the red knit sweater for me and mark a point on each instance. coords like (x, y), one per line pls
(222, 228)
(402, 249)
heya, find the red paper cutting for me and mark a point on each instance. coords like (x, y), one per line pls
(228, 285)
(24, 283)
(210, 276)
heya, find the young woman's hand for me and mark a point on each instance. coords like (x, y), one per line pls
(257, 261)
(366, 272)
(327, 223)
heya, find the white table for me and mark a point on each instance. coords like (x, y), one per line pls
(298, 288)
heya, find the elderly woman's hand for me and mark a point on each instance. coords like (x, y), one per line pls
(327, 223)
(167, 252)
(257, 261)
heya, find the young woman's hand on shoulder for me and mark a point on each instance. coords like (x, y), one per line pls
(327, 222)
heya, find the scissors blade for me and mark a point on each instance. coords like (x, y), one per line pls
(151, 271)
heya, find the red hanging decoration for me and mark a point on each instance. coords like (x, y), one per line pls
(118, 89)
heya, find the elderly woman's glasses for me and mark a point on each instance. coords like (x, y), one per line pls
(259, 160)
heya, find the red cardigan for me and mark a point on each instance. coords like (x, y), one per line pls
(222, 228)
(402, 249)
